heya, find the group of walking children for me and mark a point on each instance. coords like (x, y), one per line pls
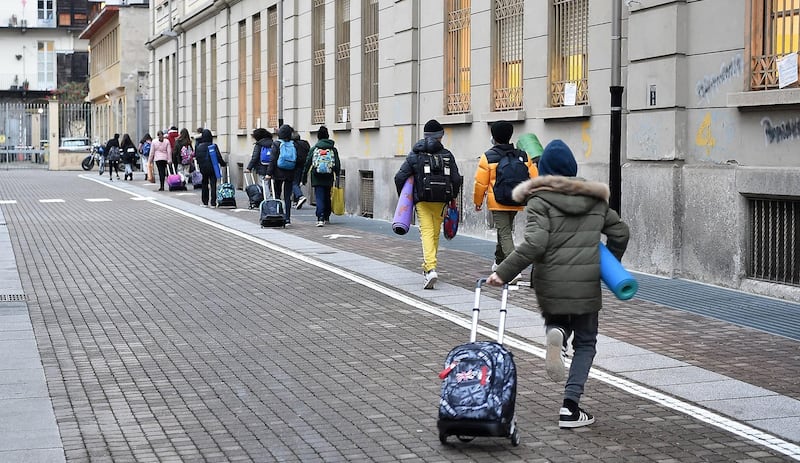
(124, 152)
(566, 217)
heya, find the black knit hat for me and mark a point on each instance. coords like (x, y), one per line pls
(433, 129)
(557, 159)
(322, 133)
(502, 131)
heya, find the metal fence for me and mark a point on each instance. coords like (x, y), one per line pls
(23, 135)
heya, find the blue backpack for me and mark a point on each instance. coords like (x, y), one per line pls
(266, 155)
(287, 159)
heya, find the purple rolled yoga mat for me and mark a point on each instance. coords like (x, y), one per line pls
(404, 209)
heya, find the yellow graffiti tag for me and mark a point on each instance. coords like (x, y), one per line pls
(586, 139)
(400, 141)
(704, 136)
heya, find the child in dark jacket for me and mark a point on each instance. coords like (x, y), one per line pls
(566, 217)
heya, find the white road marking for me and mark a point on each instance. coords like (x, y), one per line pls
(337, 236)
(742, 430)
(142, 198)
(97, 200)
(8, 201)
(51, 200)
(184, 194)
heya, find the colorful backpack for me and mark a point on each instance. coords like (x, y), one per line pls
(322, 161)
(187, 155)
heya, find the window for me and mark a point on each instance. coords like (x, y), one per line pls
(775, 31)
(569, 51)
(369, 60)
(46, 65)
(318, 64)
(256, 70)
(242, 75)
(272, 66)
(774, 240)
(457, 51)
(193, 93)
(212, 46)
(204, 96)
(46, 13)
(507, 55)
(342, 60)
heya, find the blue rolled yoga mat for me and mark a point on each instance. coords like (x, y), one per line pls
(614, 275)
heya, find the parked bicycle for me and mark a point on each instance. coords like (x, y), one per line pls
(95, 156)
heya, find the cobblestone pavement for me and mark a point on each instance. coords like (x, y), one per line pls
(164, 338)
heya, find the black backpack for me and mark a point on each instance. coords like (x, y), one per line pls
(511, 171)
(436, 185)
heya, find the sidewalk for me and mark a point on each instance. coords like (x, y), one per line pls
(740, 380)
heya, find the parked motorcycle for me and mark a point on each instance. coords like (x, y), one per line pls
(95, 156)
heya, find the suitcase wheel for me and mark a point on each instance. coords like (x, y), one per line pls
(515, 437)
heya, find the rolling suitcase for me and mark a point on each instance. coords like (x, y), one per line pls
(197, 177)
(226, 192)
(255, 192)
(479, 385)
(271, 213)
(175, 180)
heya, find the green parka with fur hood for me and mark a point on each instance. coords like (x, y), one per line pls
(565, 219)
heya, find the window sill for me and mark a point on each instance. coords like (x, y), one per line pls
(566, 112)
(759, 99)
(514, 115)
(363, 125)
(453, 119)
(340, 126)
(241, 133)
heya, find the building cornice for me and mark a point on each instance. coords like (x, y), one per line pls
(108, 14)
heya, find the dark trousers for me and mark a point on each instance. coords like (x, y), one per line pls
(322, 196)
(209, 191)
(584, 329)
(113, 166)
(283, 190)
(162, 172)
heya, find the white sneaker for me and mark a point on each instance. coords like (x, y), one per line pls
(431, 277)
(320, 223)
(302, 200)
(554, 358)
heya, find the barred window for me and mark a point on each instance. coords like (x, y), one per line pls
(369, 60)
(318, 63)
(242, 75)
(256, 70)
(774, 240)
(457, 72)
(272, 66)
(774, 32)
(569, 51)
(507, 55)
(212, 46)
(342, 60)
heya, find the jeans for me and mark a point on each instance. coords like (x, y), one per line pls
(128, 169)
(322, 196)
(297, 192)
(504, 224)
(584, 329)
(283, 190)
(430, 217)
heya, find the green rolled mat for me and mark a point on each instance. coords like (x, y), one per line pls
(529, 143)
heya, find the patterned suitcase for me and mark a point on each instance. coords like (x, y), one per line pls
(479, 385)
(226, 192)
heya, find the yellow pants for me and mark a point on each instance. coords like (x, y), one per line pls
(430, 217)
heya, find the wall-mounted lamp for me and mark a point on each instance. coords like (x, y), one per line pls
(108, 97)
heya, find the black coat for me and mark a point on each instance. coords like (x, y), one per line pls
(202, 156)
(255, 160)
(411, 167)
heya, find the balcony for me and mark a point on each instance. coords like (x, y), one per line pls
(18, 83)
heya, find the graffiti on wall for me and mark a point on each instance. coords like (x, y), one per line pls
(786, 130)
(709, 84)
(586, 138)
(704, 137)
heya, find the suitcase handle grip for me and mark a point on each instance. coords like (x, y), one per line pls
(476, 309)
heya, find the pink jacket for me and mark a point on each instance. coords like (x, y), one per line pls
(160, 151)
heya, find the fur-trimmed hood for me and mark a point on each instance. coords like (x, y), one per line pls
(571, 194)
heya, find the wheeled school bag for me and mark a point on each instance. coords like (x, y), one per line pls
(271, 211)
(226, 192)
(197, 176)
(479, 385)
(255, 192)
(175, 180)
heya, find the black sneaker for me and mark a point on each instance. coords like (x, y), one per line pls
(578, 419)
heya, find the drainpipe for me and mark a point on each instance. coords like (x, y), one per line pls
(417, 113)
(614, 167)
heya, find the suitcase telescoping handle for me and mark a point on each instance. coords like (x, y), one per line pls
(476, 310)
